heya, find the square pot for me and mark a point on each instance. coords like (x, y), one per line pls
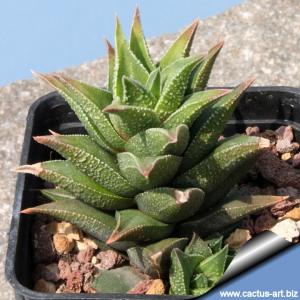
(266, 107)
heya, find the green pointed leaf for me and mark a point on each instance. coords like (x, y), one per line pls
(126, 64)
(170, 205)
(57, 194)
(111, 55)
(138, 44)
(159, 141)
(136, 94)
(65, 175)
(153, 83)
(94, 222)
(148, 172)
(214, 266)
(192, 107)
(90, 159)
(181, 272)
(130, 120)
(226, 184)
(154, 260)
(229, 213)
(222, 162)
(100, 97)
(202, 72)
(175, 86)
(134, 227)
(120, 280)
(199, 281)
(88, 110)
(181, 47)
(198, 248)
(200, 291)
(210, 125)
(215, 243)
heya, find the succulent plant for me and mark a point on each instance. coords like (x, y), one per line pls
(152, 157)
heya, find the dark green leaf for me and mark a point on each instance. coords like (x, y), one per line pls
(159, 141)
(148, 172)
(170, 205)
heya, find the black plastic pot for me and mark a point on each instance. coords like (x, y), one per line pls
(267, 107)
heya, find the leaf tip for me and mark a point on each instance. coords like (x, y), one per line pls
(28, 211)
(41, 139)
(109, 47)
(34, 169)
(53, 132)
(216, 48)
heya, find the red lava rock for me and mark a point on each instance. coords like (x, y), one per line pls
(49, 272)
(142, 287)
(74, 282)
(64, 268)
(75, 266)
(296, 160)
(109, 259)
(264, 221)
(285, 133)
(281, 208)
(277, 171)
(43, 248)
(252, 130)
(284, 146)
(87, 268)
(86, 255)
(87, 283)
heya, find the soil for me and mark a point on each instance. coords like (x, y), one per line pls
(66, 260)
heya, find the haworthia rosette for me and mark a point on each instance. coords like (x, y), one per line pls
(118, 280)
(181, 272)
(229, 213)
(153, 83)
(201, 73)
(136, 94)
(135, 227)
(159, 141)
(138, 44)
(88, 109)
(148, 172)
(192, 107)
(130, 120)
(111, 56)
(174, 88)
(57, 194)
(227, 184)
(198, 248)
(213, 267)
(126, 64)
(210, 125)
(65, 175)
(96, 223)
(170, 205)
(89, 158)
(222, 162)
(154, 259)
(181, 46)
